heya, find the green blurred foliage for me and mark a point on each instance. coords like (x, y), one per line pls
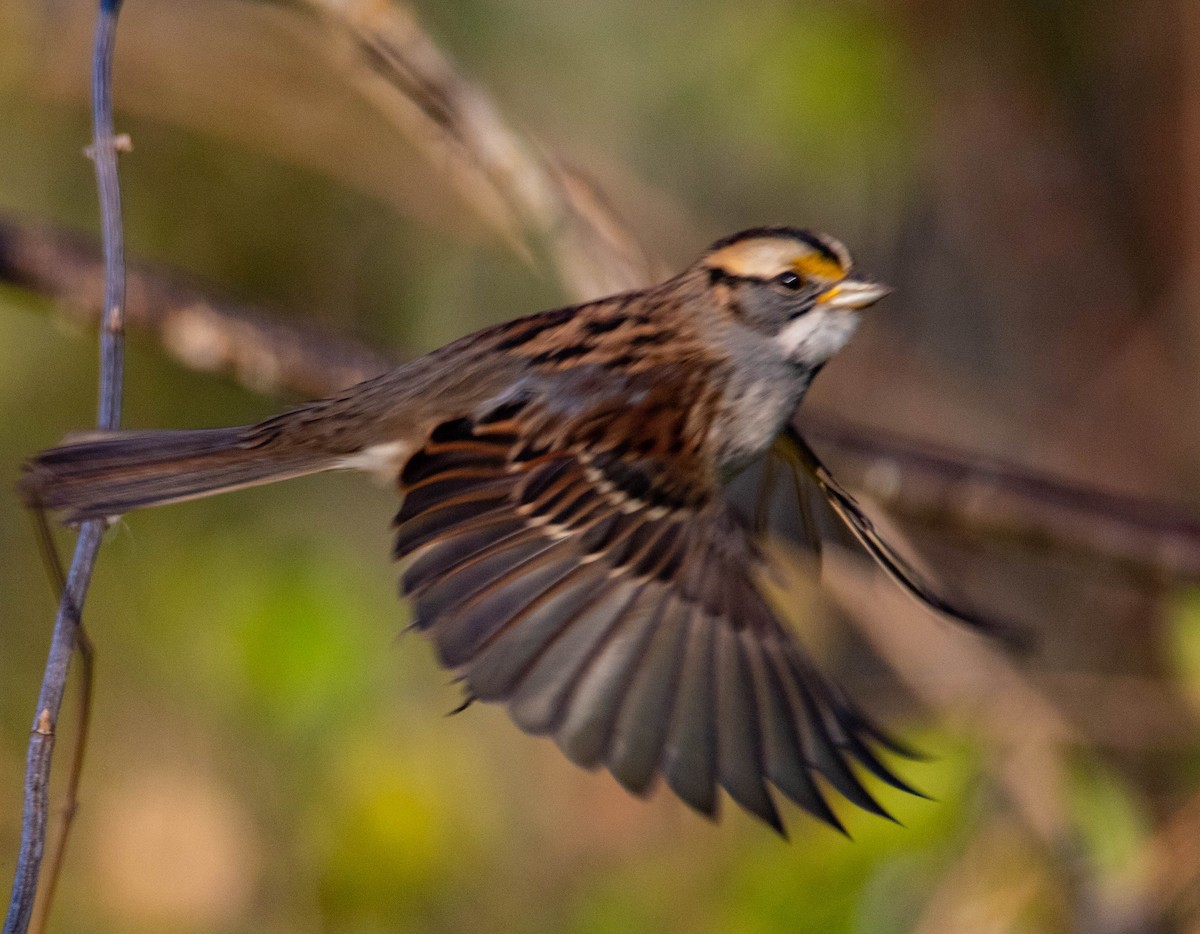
(741, 111)
(1112, 822)
(1183, 649)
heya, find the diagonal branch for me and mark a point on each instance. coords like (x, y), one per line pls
(539, 206)
(266, 353)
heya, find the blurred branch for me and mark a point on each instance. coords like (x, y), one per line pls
(540, 207)
(954, 490)
(1187, 285)
(69, 635)
(944, 486)
(264, 353)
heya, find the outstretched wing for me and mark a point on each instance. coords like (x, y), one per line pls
(809, 471)
(617, 610)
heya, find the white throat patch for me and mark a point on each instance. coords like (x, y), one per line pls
(816, 336)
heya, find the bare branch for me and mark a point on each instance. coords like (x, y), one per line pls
(68, 633)
(541, 208)
(266, 353)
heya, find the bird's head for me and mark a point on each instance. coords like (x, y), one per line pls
(792, 286)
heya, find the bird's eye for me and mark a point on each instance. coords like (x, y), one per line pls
(789, 280)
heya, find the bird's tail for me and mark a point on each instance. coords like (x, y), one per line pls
(104, 474)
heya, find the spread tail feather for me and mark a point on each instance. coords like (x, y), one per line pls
(105, 474)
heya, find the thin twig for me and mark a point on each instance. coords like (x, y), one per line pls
(83, 717)
(41, 743)
(68, 634)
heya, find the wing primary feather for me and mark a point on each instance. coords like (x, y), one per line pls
(542, 689)
(785, 762)
(508, 651)
(852, 723)
(822, 748)
(872, 763)
(463, 633)
(640, 732)
(739, 741)
(690, 759)
(439, 558)
(862, 724)
(605, 683)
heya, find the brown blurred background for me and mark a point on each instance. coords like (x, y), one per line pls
(266, 756)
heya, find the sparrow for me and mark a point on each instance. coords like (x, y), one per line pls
(566, 540)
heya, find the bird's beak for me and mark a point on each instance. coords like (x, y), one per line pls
(852, 294)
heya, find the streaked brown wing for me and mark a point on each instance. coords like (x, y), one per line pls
(620, 615)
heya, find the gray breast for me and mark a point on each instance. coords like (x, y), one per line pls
(759, 401)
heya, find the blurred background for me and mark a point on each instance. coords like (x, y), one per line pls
(267, 755)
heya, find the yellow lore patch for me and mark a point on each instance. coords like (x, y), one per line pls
(816, 266)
